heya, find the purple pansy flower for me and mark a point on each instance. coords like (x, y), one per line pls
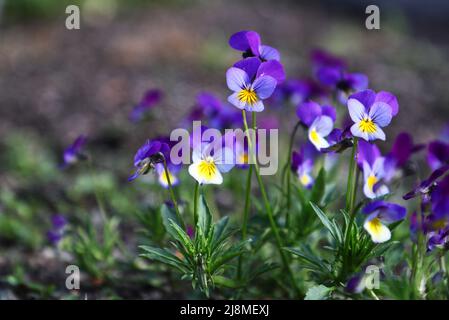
(56, 233)
(342, 81)
(148, 101)
(438, 154)
(372, 176)
(162, 176)
(302, 164)
(380, 213)
(249, 43)
(440, 200)
(426, 186)
(148, 156)
(370, 112)
(367, 152)
(248, 94)
(74, 152)
(438, 239)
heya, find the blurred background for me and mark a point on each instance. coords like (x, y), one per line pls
(56, 84)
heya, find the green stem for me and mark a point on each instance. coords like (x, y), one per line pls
(98, 198)
(267, 205)
(287, 167)
(172, 195)
(245, 216)
(195, 203)
(351, 186)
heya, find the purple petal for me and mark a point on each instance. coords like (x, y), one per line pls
(329, 76)
(239, 41)
(307, 112)
(390, 99)
(249, 65)
(329, 111)
(367, 152)
(264, 86)
(269, 53)
(357, 81)
(387, 212)
(365, 97)
(380, 113)
(438, 154)
(253, 42)
(272, 68)
(356, 110)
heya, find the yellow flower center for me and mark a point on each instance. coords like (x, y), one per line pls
(314, 136)
(248, 96)
(304, 179)
(371, 181)
(367, 125)
(207, 168)
(244, 158)
(375, 226)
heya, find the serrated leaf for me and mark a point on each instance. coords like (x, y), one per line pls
(318, 293)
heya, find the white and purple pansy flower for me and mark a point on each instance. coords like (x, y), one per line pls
(163, 177)
(372, 176)
(209, 162)
(308, 111)
(148, 156)
(370, 112)
(250, 44)
(248, 94)
(320, 128)
(379, 214)
(303, 164)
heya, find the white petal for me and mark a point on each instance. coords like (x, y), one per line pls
(356, 110)
(356, 132)
(378, 232)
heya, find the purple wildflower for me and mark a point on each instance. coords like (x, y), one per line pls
(148, 156)
(370, 112)
(380, 213)
(151, 98)
(249, 43)
(427, 185)
(303, 162)
(56, 233)
(74, 152)
(438, 154)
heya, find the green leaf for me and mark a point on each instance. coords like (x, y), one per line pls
(167, 216)
(318, 187)
(318, 293)
(204, 216)
(182, 237)
(164, 256)
(332, 227)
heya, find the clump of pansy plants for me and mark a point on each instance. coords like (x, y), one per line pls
(338, 206)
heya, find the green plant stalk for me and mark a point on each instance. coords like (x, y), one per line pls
(172, 195)
(287, 167)
(350, 199)
(98, 198)
(267, 205)
(245, 216)
(351, 187)
(195, 203)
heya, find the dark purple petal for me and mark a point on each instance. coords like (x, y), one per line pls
(438, 154)
(58, 221)
(307, 112)
(54, 237)
(239, 41)
(357, 81)
(272, 68)
(249, 65)
(253, 42)
(424, 186)
(440, 199)
(387, 212)
(329, 76)
(269, 53)
(321, 58)
(368, 152)
(297, 160)
(330, 112)
(366, 97)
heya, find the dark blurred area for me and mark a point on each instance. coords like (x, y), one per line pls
(57, 83)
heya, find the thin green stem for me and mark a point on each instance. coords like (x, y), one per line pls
(267, 205)
(287, 167)
(98, 197)
(195, 203)
(172, 195)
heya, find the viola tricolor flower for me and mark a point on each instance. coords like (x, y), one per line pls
(372, 176)
(302, 164)
(150, 99)
(209, 161)
(74, 152)
(248, 94)
(440, 201)
(320, 128)
(249, 43)
(56, 233)
(381, 213)
(370, 112)
(148, 156)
